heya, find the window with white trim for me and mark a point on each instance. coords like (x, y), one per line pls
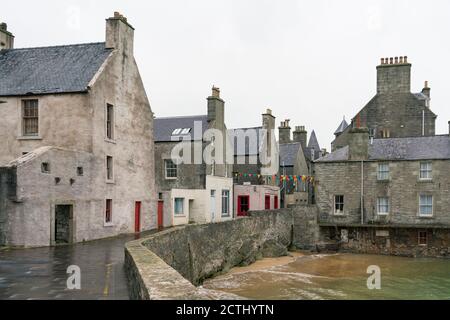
(339, 204)
(171, 169)
(30, 118)
(426, 205)
(383, 171)
(225, 203)
(426, 171)
(179, 206)
(383, 206)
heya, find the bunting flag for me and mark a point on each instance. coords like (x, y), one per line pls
(295, 179)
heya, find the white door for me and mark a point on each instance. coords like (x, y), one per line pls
(213, 205)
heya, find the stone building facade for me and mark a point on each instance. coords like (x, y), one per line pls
(394, 112)
(78, 143)
(386, 195)
(192, 191)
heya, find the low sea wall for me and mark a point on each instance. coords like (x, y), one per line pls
(171, 264)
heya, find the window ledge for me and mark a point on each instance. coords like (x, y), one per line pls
(339, 214)
(382, 214)
(29, 138)
(108, 225)
(425, 217)
(110, 141)
(425, 180)
(180, 216)
(110, 182)
(383, 180)
(171, 178)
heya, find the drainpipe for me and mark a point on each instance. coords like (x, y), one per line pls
(423, 122)
(362, 192)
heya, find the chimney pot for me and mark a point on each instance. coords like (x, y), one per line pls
(406, 59)
(269, 111)
(401, 60)
(391, 60)
(396, 60)
(382, 60)
(215, 92)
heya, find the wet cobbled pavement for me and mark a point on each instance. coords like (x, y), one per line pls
(41, 273)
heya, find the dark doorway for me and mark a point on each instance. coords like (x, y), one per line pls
(160, 214)
(243, 206)
(63, 224)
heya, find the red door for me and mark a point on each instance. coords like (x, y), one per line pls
(275, 204)
(267, 202)
(160, 214)
(243, 205)
(137, 217)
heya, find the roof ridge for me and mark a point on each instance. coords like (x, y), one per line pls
(55, 46)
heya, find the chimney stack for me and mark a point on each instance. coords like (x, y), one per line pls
(394, 75)
(216, 108)
(358, 144)
(120, 34)
(284, 132)
(6, 37)
(301, 135)
(426, 90)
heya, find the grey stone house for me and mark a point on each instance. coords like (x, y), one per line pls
(394, 112)
(76, 153)
(192, 191)
(296, 157)
(381, 194)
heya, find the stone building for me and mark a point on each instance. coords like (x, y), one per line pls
(381, 194)
(193, 191)
(255, 153)
(394, 112)
(76, 154)
(296, 157)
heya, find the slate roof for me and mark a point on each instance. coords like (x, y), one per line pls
(164, 127)
(415, 148)
(313, 143)
(251, 148)
(288, 153)
(48, 70)
(341, 127)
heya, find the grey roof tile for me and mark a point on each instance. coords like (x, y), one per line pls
(48, 70)
(414, 148)
(164, 127)
(288, 153)
(341, 127)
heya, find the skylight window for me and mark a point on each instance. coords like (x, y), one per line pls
(181, 131)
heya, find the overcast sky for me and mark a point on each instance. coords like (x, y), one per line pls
(309, 61)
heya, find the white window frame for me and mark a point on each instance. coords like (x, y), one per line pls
(383, 175)
(166, 162)
(226, 202)
(427, 172)
(339, 213)
(380, 206)
(175, 213)
(426, 205)
(22, 130)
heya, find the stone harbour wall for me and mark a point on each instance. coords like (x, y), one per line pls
(170, 264)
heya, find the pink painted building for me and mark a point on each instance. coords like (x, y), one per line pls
(255, 198)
